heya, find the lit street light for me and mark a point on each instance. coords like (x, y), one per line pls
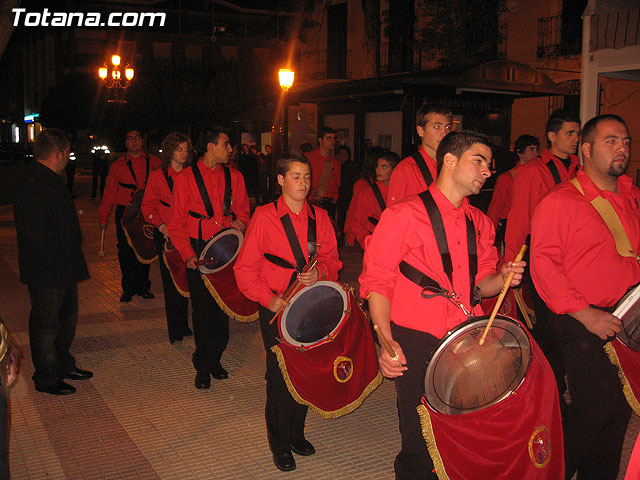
(112, 77)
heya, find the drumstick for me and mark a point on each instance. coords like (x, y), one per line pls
(294, 287)
(101, 252)
(503, 293)
(385, 343)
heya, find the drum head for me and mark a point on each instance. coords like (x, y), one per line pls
(314, 313)
(464, 376)
(221, 250)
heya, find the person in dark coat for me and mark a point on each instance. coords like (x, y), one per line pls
(51, 263)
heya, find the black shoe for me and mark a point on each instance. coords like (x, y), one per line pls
(202, 380)
(147, 295)
(60, 388)
(175, 339)
(284, 461)
(124, 298)
(79, 374)
(187, 332)
(219, 373)
(303, 447)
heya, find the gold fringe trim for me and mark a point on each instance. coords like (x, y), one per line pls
(626, 387)
(427, 434)
(224, 306)
(140, 259)
(180, 291)
(375, 383)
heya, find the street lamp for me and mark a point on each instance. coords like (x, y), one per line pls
(285, 78)
(112, 77)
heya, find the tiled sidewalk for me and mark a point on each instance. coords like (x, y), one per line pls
(141, 417)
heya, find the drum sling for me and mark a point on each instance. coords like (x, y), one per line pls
(422, 166)
(206, 200)
(169, 184)
(381, 202)
(170, 255)
(625, 359)
(135, 186)
(292, 238)
(430, 287)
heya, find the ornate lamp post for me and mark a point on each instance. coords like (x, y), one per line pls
(115, 77)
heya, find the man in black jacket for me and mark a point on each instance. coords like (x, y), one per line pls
(51, 263)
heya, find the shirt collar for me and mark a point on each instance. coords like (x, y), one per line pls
(591, 190)
(445, 206)
(283, 208)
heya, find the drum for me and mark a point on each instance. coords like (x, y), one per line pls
(628, 310)
(177, 269)
(326, 353)
(492, 411)
(315, 315)
(139, 233)
(220, 251)
(216, 267)
(463, 376)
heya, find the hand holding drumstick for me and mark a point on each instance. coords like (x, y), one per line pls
(308, 276)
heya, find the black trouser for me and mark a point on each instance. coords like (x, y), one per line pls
(135, 275)
(52, 327)
(210, 324)
(285, 417)
(175, 305)
(98, 172)
(413, 461)
(545, 336)
(596, 420)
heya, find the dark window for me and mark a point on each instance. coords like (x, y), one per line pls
(400, 34)
(337, 41)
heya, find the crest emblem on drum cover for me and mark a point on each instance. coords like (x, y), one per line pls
(147, 230)
(342, 369)
(540, 447)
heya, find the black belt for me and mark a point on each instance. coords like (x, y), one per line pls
(168, 205)
(128, 185)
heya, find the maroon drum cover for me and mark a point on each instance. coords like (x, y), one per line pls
(139, 233)
(218, 257)
(177, 269)
(492, 412)
(327, 355)
(627, 361)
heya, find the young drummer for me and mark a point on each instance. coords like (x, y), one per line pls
(404, 250)
(264, 269)
(156, 204)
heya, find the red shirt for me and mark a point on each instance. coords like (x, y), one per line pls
(405, 233)
(363, 205)
(157, 197)
(317, 161)
(116, 194)
(256, 276)
(574, 261)
(407, 179)
(501, 198)
(533, 180)
(186, 197)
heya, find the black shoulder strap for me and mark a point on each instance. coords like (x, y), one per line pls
(203, 190)
(293, 238)
(422, 165)
(133, 174)
(554, 171)
(168, 178)
(443, 246)
(146, 176)
(378, 194)
(226, 202)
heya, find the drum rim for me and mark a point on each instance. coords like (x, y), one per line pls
(472, 323)
(284, 335)
(215, 238)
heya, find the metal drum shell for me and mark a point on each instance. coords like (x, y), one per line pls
(442, 400)
(283, 318)
(217, 237)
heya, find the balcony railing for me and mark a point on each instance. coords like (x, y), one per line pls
(557, 37)
(324, 64)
